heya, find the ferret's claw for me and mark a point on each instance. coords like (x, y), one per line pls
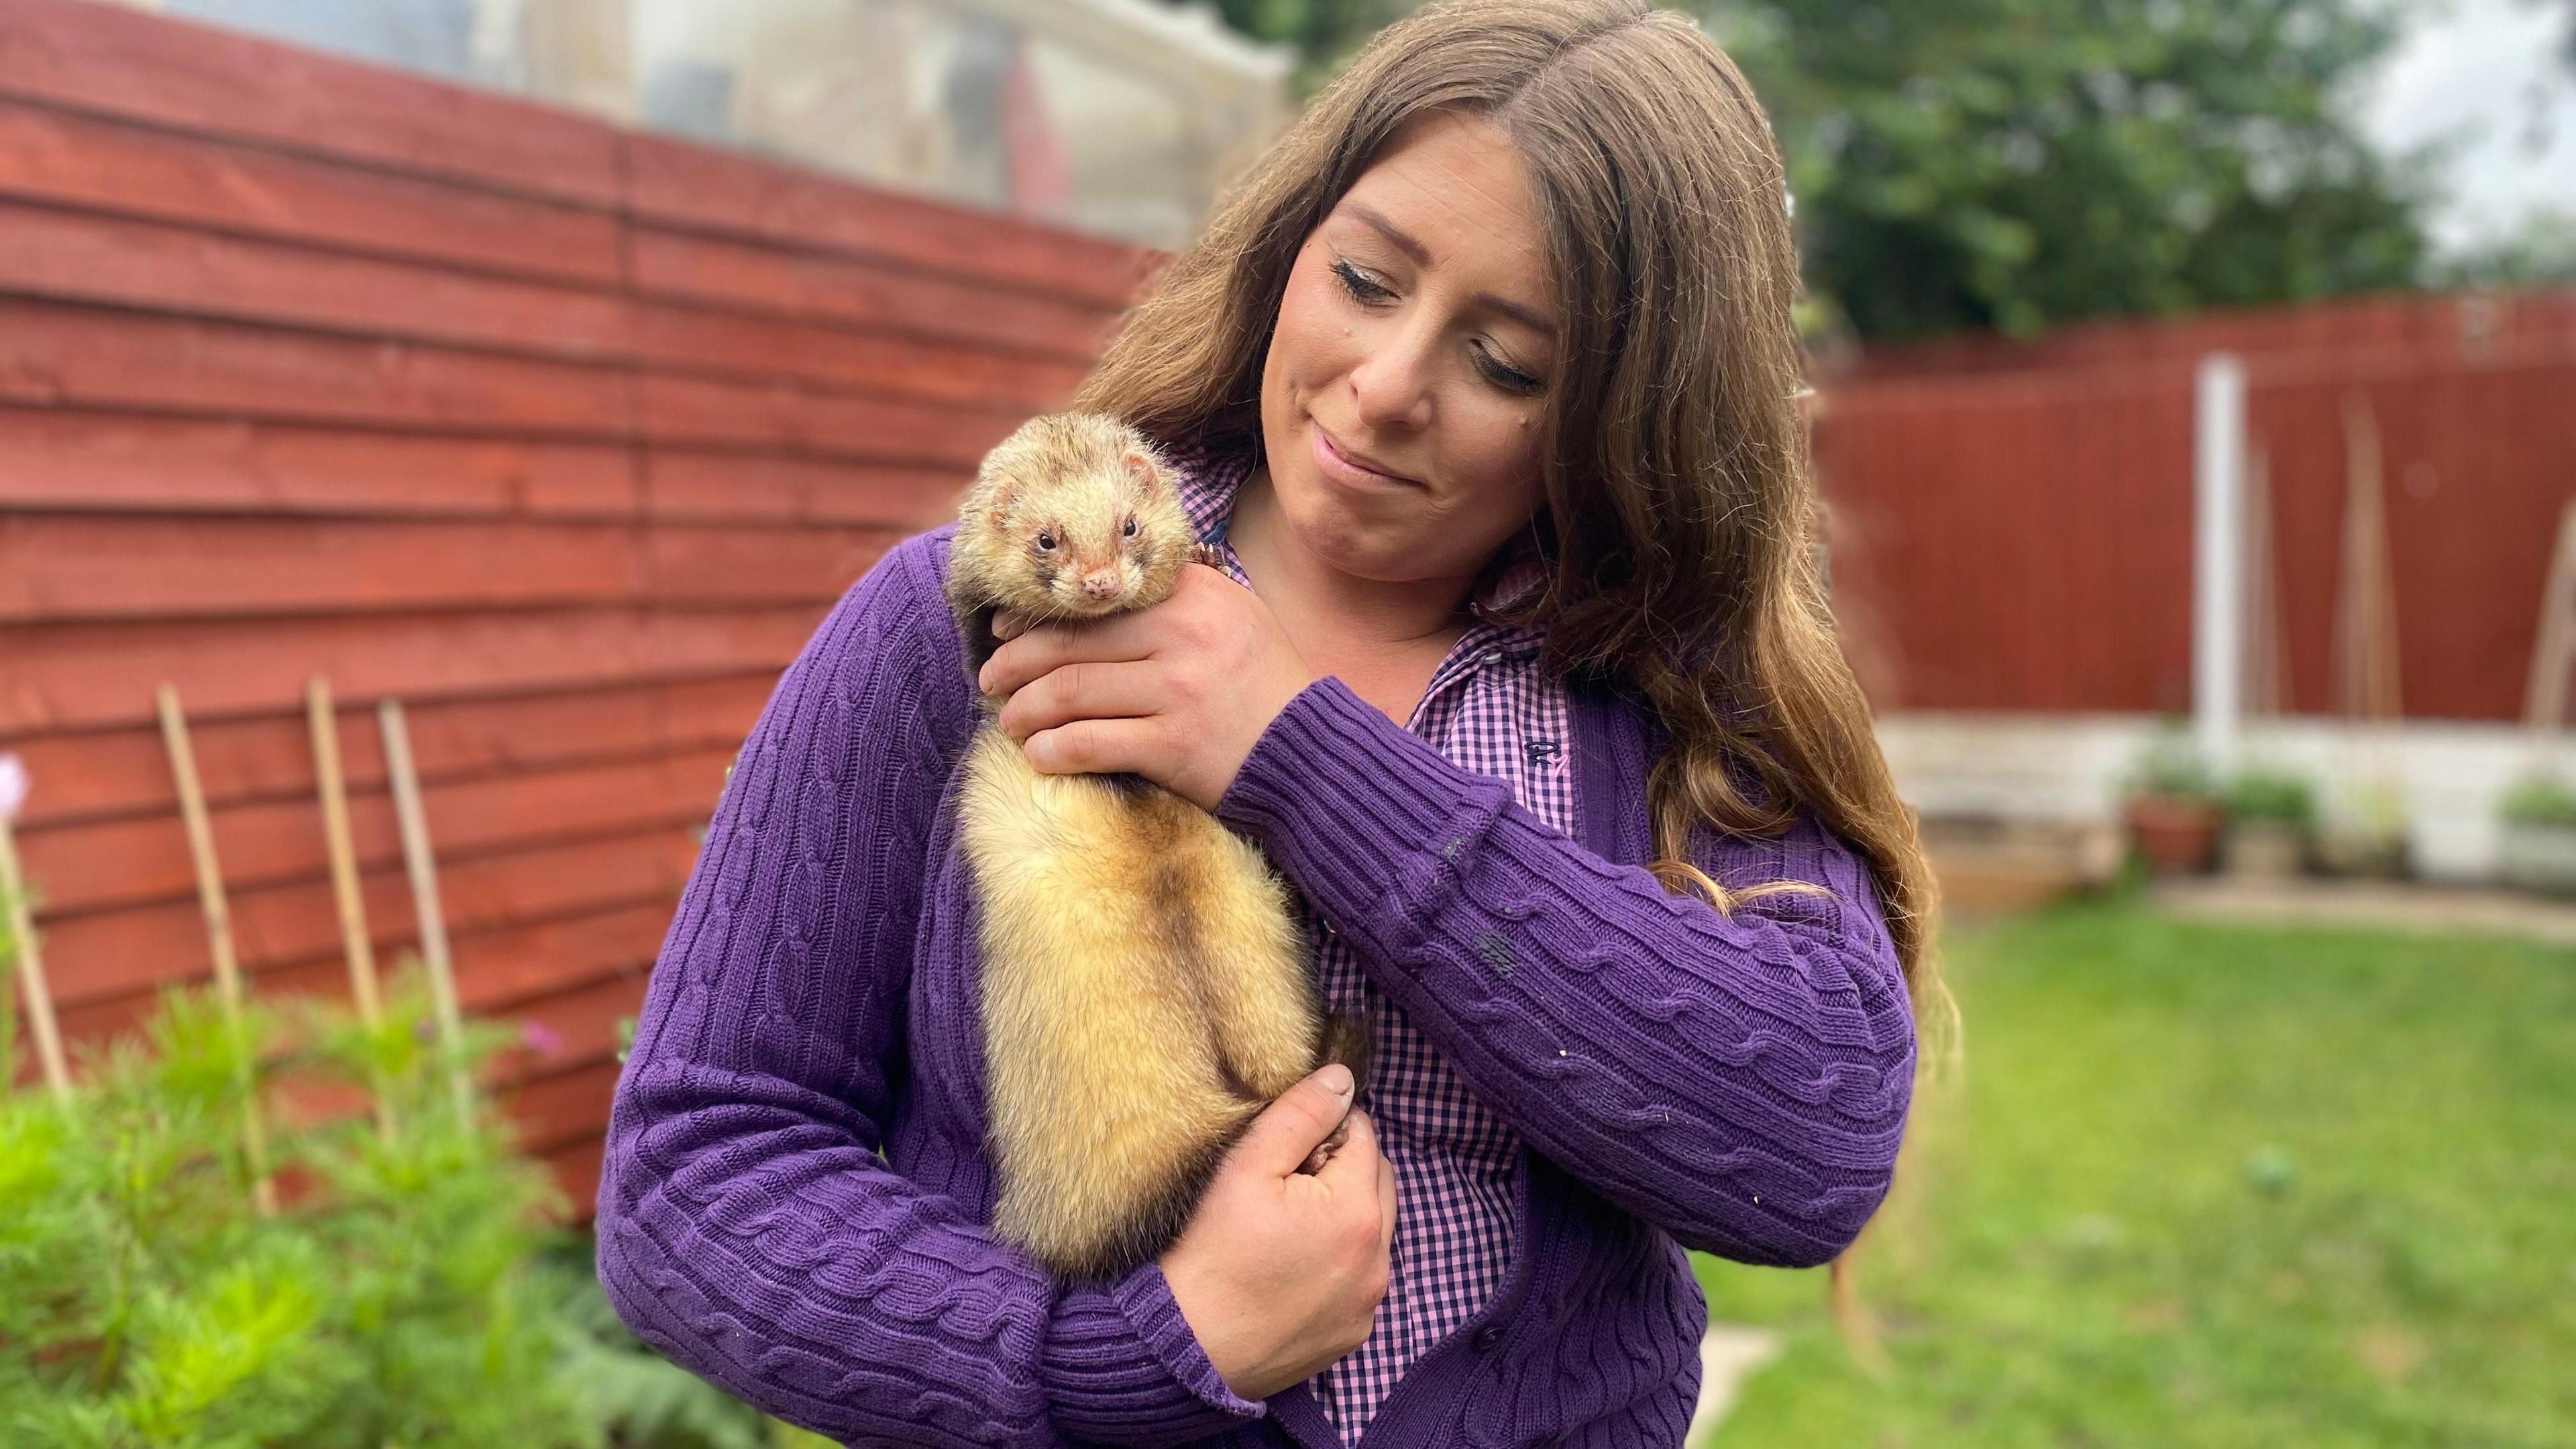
(1207, 553)
(1327, 1149)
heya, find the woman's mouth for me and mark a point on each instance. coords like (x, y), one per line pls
(1342, 468)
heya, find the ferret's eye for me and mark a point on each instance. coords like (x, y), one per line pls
(1046, 543)
(1130, 530)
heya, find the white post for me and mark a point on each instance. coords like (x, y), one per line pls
(2218, 564)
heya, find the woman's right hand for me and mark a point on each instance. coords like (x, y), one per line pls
(1280, 1272)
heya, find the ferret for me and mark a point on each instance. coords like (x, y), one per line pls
(1147, 989)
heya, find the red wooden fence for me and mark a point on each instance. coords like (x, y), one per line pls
(567, 436)
(2013, 523)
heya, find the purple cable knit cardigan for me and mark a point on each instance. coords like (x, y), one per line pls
(795, 1195)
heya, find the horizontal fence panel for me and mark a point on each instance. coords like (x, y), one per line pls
(120, 772)
(70, 567)
(2476, 464)
(61, 458)
(107, 954)
(58, 354)
(680, 183)
(67, 159)
(565, 1105)
(722, 487)
(66, 256)
(160, 266)
(201, 78)
(55, 354)
(92, 675)
(90, 462)
(89, 867)
(758, 277)
(2013, 544)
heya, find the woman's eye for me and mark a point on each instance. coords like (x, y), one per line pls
(1507, 377)
(1360, 288)
(1046, 543)
(1130, 530)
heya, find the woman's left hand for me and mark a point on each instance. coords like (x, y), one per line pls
(1178, 693)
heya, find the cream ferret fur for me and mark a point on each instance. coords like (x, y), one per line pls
(1147, 990)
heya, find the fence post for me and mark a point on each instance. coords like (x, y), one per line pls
(2218, 564)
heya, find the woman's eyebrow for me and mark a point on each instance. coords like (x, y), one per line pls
(1528, 317)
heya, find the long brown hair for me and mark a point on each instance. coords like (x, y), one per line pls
(1681, 518)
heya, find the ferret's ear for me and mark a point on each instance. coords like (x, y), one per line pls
(997, 503)
(1142, 468)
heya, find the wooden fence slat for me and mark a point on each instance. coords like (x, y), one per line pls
(161, 267)
(82, 675)
(53, 354)
(86, 161)
(130, 949)
(200, 78)
(803, 284)
(110, 773)
(66, 459)
(70, 567)
(92, 867)
(689, 185)
(70, 257)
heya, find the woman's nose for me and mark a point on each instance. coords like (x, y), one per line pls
(1392, 381)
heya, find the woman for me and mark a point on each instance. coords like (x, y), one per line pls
(1522, 675)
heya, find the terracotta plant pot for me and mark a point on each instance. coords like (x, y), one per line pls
(2177, 834)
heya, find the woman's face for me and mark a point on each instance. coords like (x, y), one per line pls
(1402, 395)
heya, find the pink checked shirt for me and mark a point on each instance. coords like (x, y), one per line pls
(1489, 710)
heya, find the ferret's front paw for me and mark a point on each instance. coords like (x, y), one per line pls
(1209, 554)
(1326, 1150)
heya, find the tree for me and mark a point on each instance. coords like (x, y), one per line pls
(2008, 164)
(1326, 33)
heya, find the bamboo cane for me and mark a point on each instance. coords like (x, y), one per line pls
(31, 968)
(219, 938)
(424, 895)
(324, 726)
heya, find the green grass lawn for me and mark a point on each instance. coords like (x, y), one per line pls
(2221, 1186)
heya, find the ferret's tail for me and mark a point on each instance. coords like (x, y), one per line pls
(1350, 1037)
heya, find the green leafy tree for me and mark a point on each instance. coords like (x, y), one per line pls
(1325, 32)
(2007, 164)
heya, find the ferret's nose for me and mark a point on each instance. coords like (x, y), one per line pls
(1103, 584)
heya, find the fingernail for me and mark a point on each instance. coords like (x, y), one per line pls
(1337, 1079)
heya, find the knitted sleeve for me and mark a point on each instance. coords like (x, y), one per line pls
(1739, 1080)
(747, 1227)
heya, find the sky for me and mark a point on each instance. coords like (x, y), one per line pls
(2489, 71)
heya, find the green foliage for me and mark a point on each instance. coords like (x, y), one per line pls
(2539, 800)
(2170, 765)
(413, 1291)
(2214, 1186)
(143, 1301)
(2540, 252)
(1326, 33)
(2005, 165)
(2274, 795)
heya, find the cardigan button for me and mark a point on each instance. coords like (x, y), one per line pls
(1487, 1337)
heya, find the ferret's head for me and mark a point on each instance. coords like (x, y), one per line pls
(1076, 516)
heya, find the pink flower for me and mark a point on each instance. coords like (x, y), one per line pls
(537, 1037)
